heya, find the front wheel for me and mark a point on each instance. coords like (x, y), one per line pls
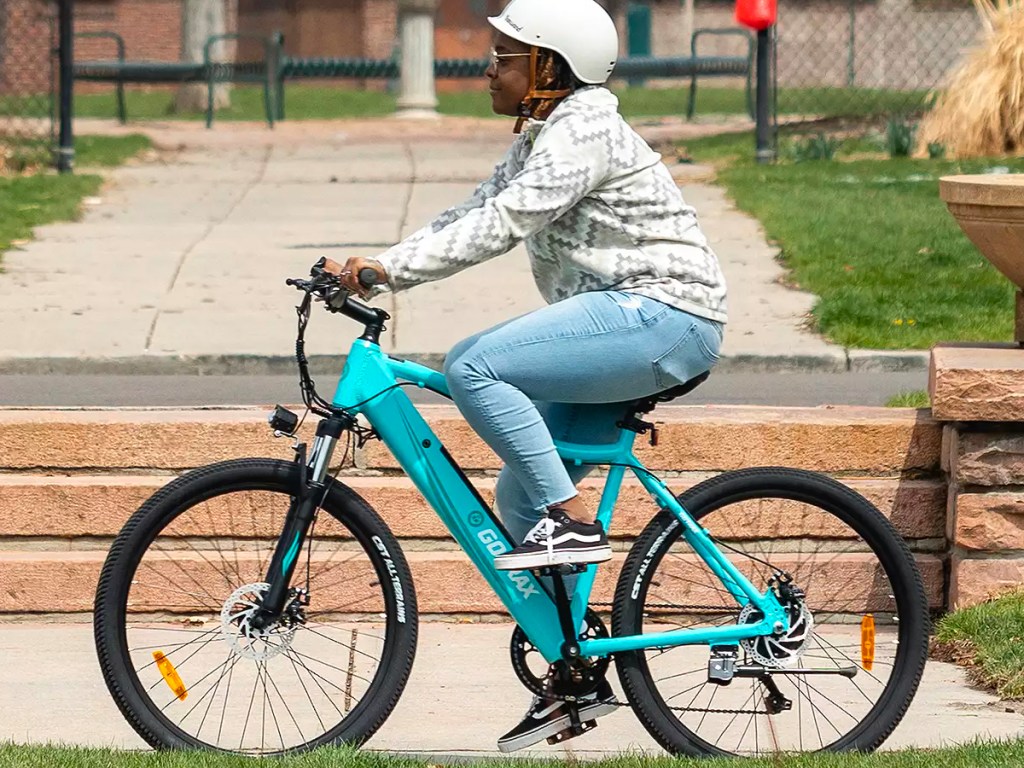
(186, 573)
(855, 603)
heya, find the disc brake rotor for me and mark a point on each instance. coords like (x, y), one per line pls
(246, 641)
(780, 650)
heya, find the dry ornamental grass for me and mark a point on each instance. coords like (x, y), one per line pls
(981, 112)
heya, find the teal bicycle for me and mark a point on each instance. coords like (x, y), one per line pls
(263, 607)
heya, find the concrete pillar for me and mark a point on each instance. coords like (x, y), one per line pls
(416, 27)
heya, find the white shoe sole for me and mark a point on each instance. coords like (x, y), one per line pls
(541, 732)
(544, 559)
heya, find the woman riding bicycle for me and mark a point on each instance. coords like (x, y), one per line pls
(636, 296)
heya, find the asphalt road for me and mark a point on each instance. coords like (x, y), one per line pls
(784, 389)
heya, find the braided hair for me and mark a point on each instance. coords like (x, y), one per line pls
(551, 80)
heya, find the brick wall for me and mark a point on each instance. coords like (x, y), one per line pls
(26, 40)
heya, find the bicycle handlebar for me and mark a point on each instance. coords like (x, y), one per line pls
(328, 288)
(367, 277)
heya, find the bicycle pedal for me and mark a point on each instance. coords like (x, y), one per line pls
(565, 569)
(571, 732)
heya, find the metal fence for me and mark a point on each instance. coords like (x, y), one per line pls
(861, 58)
(834, 59)
(27, 83)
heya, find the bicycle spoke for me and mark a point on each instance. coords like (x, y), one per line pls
(330, 666)
(228, 662)
(836, 577)
(288, 710)
(209, 704)
(305, 690)
(180, 647)
(338, 642)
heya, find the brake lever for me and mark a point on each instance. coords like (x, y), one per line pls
(336, 300)
(302, 285)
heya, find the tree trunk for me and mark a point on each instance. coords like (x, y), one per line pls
(199, 20)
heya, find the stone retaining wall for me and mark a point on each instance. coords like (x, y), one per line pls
(977, 391)
(69, 479)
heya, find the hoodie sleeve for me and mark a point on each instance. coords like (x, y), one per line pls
(569, 159)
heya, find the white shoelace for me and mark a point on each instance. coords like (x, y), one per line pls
(542, 529)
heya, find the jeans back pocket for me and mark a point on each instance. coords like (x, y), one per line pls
(695, 352)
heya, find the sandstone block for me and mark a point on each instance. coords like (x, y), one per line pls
(974, 581)
(165, 439)
(977, 383)
(195, 582)
(990, 521)
(989, 458)
(98, 506)
(710, 438)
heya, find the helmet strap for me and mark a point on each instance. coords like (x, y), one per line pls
(529, 103)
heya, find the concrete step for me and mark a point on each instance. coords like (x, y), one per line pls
(186, 582)
(56, 512)
(849, 440)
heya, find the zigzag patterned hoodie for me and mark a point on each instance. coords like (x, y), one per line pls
(595, 207)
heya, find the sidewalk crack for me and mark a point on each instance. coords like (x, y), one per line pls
(206, 233)
(406, 207)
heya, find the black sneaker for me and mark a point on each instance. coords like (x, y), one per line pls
(549, 719)
(557, 540)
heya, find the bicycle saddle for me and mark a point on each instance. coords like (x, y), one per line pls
(646, 404)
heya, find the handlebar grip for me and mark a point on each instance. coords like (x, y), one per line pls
(367, 277)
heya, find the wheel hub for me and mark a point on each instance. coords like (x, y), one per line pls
(782, 649)
(247, 641)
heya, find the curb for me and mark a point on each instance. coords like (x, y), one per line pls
(841, 361)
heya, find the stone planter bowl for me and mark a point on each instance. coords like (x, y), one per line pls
(990, 210)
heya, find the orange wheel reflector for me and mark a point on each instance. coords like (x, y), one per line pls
(171, 676)
(867, 642)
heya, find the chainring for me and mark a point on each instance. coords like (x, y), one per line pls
(547, 683)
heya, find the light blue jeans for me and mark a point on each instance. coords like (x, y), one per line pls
(564, 372)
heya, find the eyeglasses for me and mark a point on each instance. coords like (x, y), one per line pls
(497, 58)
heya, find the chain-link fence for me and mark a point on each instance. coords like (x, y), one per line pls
(864, 60)
(847, 63)
(28, 67)
(835, 59)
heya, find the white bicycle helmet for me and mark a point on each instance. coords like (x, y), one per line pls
(580, 30)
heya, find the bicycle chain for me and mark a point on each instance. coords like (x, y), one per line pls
(556, 697)
(722, 711)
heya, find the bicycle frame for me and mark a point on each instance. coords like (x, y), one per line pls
(369, 372)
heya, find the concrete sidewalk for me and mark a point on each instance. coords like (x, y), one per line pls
(179, 266)
(461, 696)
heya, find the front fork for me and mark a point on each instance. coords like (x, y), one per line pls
(301, 512)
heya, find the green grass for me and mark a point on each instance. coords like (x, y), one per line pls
(872, 239)
(108, 151)
(991, 637)
(979, 755)
(917, 398)
(849, 101)
(307, 102)
(31, 200)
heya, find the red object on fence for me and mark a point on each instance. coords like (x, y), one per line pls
(756, 14)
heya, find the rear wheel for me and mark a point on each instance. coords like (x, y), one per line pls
(849, 571)
(185, 575)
